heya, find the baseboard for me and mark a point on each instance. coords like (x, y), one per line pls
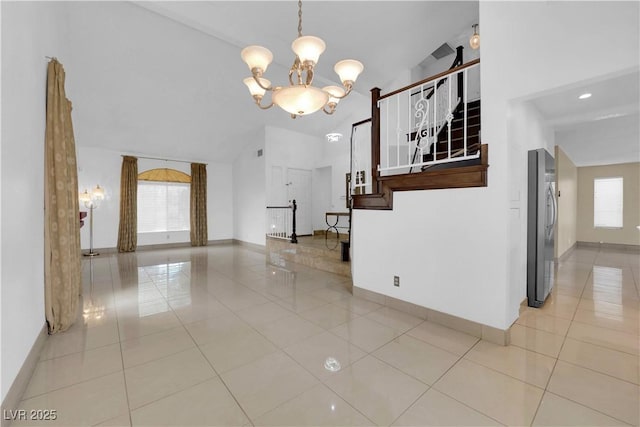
(163, 246)
(102, 250)
(618, 246)
(567, 253)
(220, 242)
(253, 246)
(19, 385)
(485, 332)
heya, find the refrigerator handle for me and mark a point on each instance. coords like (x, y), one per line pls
(554, 204)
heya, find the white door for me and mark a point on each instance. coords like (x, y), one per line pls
(299, 189)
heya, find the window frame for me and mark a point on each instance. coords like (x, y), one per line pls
(609, 227)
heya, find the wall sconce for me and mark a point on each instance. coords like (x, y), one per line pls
(474, 41)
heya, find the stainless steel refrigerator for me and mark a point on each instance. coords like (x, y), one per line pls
(541, 220)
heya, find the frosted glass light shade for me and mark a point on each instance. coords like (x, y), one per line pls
(348, 70)
(300, 100)
(308, 48)
(85, 197)
(335, 93)
(97, 193)
(254, 88)
(474, 41)
(257, 57)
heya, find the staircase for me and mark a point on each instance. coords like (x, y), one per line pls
(424, 136)
(441, 150)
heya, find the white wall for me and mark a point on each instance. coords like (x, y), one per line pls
(29, 32)
(289, 149)
(432, 66)
(249, 191)
(322, 194)
(443, 245)
(516, 66)
(99, 166)
(481, 229)
(336, 155)
(146, 83)
(567, 187)
(527, 130)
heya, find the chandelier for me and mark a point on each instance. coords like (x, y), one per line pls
(300, 97)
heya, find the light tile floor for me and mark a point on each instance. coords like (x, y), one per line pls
(216, 336)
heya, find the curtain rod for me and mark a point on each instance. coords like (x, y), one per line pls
(158, 158)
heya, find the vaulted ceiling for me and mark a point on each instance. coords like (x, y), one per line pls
(165, 78)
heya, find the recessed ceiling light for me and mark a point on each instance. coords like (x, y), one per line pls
(585, 96)
(334, 137)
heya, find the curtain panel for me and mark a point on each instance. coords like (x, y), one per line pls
(63, 282)
(198, 219)
(128, 228)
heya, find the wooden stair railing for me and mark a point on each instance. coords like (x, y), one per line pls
(447, 175)
(463, 174)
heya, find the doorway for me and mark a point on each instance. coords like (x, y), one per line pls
(299, 189)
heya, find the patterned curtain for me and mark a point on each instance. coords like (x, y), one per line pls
(199, 234)
(63, 283)
(128, 228)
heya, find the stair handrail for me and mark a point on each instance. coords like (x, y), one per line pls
(377, 96)
(429, 79)
(458, 61)
(279, 234)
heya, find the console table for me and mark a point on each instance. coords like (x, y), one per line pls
(334, 225)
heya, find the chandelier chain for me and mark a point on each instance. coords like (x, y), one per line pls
(299, 18)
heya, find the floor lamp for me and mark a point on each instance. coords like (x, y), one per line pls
(92, 201)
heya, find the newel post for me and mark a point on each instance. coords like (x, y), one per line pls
(294, 237)
(375, 138)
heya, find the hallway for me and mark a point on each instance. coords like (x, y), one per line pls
(215, 336)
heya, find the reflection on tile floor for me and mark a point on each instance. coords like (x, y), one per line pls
(216, 336)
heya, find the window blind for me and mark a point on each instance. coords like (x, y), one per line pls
(163, 206)
(607, 202)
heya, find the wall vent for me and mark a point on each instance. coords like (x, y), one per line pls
(260, 152)
(442, 51)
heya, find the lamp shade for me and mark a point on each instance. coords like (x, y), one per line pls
(300, 100)
(308, 48)
(474, 41)
(97, 193)
(85, 197)
(335, 93)
(257, 57)
(348, 70)
(254, 88)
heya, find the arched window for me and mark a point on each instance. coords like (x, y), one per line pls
(163, 200)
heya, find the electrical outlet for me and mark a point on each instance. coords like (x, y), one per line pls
(396, 281)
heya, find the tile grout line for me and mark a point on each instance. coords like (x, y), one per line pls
(183, 326)
(557, 357)
(564, 340)
(588, 407)
(124, 376)
(226, 386)
(285, 353)
(432, 386)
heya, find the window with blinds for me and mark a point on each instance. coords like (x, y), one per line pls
(163, 206)
(607, 202)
